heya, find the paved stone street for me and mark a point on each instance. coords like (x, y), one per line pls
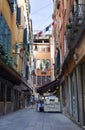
(30, 119)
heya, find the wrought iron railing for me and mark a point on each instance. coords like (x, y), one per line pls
(75, 22)
(5, 56)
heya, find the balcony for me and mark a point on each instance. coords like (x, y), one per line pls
(42, 72)
(7, 59)
(7, 72)
(76, 25)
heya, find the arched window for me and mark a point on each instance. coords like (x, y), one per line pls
(45, 64)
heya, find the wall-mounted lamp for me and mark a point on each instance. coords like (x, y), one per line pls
(75, 56)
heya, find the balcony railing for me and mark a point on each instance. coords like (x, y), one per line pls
(6, 57)
(75, 23)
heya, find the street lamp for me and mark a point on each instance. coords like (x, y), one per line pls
(75, 56)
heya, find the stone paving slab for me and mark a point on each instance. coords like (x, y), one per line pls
(30, 119)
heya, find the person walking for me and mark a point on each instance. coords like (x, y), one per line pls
(32, 101)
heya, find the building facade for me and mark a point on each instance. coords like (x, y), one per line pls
(14, 28)
(69, 35)
(42, 61)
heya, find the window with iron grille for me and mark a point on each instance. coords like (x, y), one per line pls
(58, 4)
(48, 79)
(43, 80)
(39, 80)
(34, 79)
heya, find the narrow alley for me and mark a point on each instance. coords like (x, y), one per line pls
(42, 61)
(30, 119)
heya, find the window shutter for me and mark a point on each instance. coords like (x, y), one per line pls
(18, 16)
(25, 36)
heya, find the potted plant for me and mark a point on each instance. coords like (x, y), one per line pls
(47, 64)
(27, 55)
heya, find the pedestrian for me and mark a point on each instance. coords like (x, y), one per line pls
(32, 101)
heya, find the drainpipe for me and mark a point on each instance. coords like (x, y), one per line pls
(62, 16)
(5, 99)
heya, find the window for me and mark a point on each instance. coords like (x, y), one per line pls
(44, 64)
(47, 64)
(34, 79)
(39, 80)
(48, 79)
(35, 47)
(43, 49)
(43, 80)
(47, 49)
(25, 36)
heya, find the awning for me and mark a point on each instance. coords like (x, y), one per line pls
(9, 73)
(50, 86)
(12, 75)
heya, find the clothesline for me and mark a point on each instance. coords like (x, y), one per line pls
(45, 30)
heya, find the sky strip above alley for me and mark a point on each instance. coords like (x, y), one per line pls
(41, 14)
